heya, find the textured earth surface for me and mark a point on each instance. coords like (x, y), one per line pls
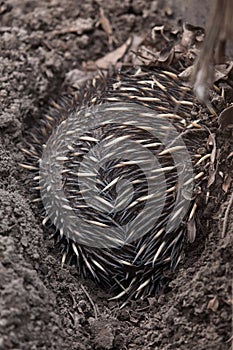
(44, 305)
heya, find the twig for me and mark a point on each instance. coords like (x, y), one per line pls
(91, 301)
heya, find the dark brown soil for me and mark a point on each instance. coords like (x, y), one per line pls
(45, 306)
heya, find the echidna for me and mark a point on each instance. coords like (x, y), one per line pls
(117, 168)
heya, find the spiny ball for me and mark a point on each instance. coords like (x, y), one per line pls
(118, 167)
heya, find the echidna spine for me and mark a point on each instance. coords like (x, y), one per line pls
(116, 176)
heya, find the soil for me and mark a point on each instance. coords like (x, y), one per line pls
(44, 305)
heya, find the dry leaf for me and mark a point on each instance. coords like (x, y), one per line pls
(225, 118)
(106, 25)
(111, 58)
(212, 176)
(132, 53)
(227, 183)
(166, 56)
(186, 74)
(213, 153)
(213, 304)
(105, 22)
(222, 71)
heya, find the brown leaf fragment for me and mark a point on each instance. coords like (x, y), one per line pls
(225, 118)
(222, 71)
(166, 56)
(227, 183)
(144, 56)
(212, 176)
(213, 304)
(186, 74)
(105, 22)
(106, 25)
(213, 153)
(132, 54)
(111, 58)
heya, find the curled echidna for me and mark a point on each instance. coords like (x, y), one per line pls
(117, 168)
